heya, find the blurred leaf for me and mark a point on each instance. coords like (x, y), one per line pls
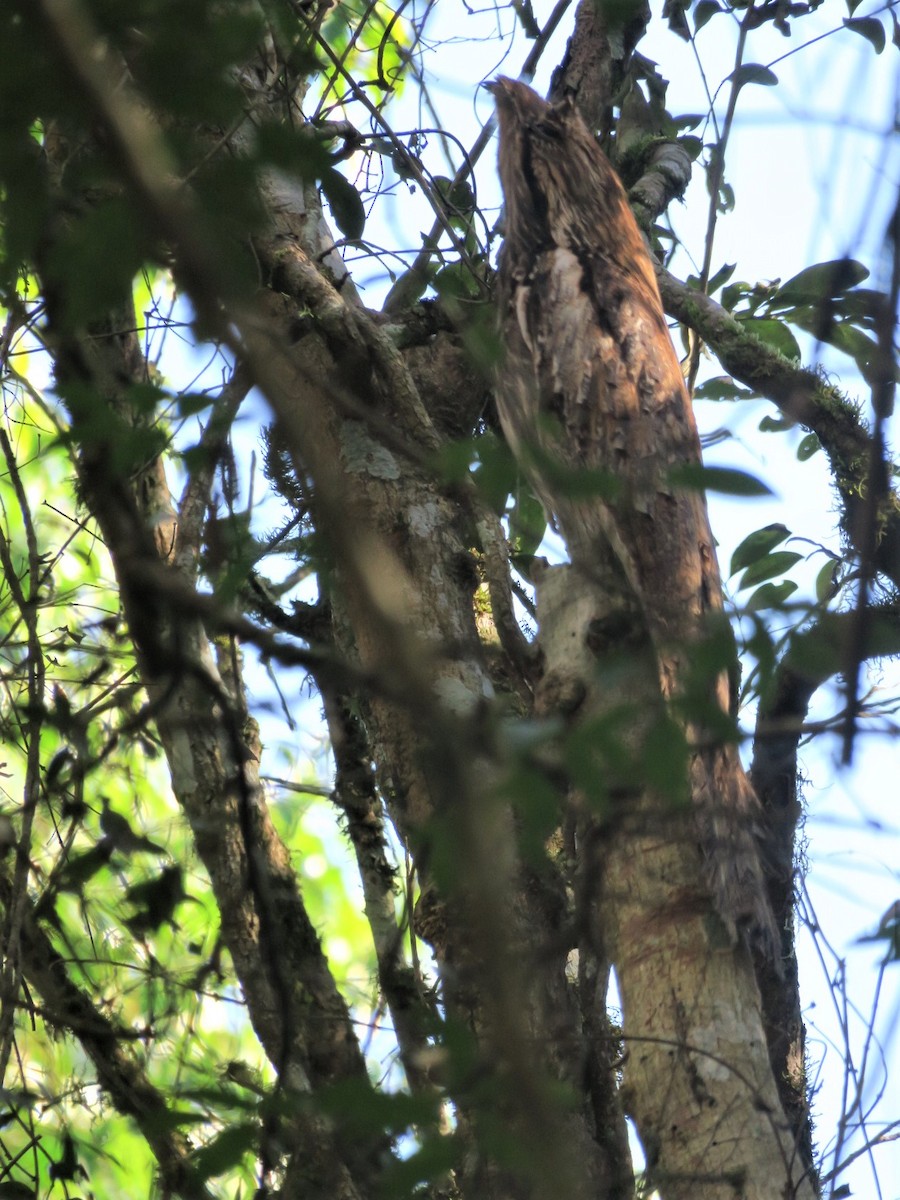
(809, 445)
(665, 759)
(771, 595)
(774, 333)
(157, 900)
(688, 120)
(67, 1166)
(820, 282)
(725, 202)
(722, 387)
(775, 425)
(757, 545)
(600, 759)
(733, 293)
(576, 482)
(453, 462)
(456, 282)
(527, 520)
(363, 1111)
(768, 567)
(761, 646)
(870, 28)
(720, 278)
(704, 11)
(845, 335)
(95, 258)
(81, 868)
(496, 471)
(12, 1189)
(753, 73)
(293, 150)
(674, 12)
(432, 1161)
(226, 1150)
(692, 145)
(728, 480)
(191, 403)
(827, 580)
(862, 349)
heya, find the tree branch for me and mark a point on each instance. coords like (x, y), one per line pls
(803, 396)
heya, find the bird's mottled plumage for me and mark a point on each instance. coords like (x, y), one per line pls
(590, 380)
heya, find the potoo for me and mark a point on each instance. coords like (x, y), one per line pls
(590, 381)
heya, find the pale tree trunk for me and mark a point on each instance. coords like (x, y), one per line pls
(696, 1074)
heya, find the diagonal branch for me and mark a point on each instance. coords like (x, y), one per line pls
(803, 396)
(414, 1017)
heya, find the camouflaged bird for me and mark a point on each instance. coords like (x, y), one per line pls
(590, 382)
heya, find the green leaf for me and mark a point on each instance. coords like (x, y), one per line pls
(453, 461)
(297, 151)
(775, 425)
(774, 333)
(688, 120)
(665, 760)
(809, 446)
(862, 349)
(728, 480)
(734, 293)
(844, 335)
(191, 403)
(96, 257)
(692, 145)
(823, 281)
(720, 278)
(753, 73)
(458, 197)
(768, 567)
(870, 28)
(771, 595)
(675, 12)
(761, 646)
(456, 282)
(435, 1159)
(496, 472)
(575, 482)
(722, 387)
(757, 545)
(705, 11)
(527, 520)
(362, 1111)
(725, 201)
(827, 581)
(600, 757)
(345, 203)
